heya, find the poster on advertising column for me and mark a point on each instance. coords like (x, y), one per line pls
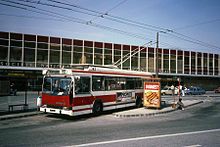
(152, 96)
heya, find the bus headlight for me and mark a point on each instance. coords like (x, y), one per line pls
(44, 106)
(67, 108)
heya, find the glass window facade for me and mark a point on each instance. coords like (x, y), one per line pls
(117, 54)
(143, 59)
(180, 62)
(151, 60)
(160, 60)
(216, 62)
(199, 63)
(45, 51)
(126, 57)
(42, 51)
(211, 63)
(205, 63)
(193, 62)
(4, 44)
(98, 53)
(166, 61)
(108, 54)
(186, 62)
(87, 57)
(135, 58)
(66, 52)
(15, 49)
(173, 61)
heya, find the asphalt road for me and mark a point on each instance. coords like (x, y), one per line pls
(195, 126)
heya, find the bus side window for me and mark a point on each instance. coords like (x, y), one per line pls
(82, 85)
(138, 84)
(98, 83)
(130, 83)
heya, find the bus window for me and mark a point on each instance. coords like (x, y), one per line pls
(56, 86)
(115, 83)
(121, 84)
(65, 85)
(47, 85)
(98, 83)
(138, 84)
(110, 83)
(130, 83)
(82, 85)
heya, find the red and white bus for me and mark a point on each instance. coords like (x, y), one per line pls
(91, 90)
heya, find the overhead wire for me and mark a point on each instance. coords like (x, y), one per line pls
(197, 24)
(45, 12)
(194, 41)
(31, 17)
(169, 31)
(141, 25)
(114, 18)
(73, 19)
(94, 13)
(107, 12)
(199, 42)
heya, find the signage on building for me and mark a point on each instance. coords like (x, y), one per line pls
(152, 96)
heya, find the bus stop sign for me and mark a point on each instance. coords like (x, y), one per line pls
(152, 96)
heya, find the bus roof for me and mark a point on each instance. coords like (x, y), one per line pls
(112, 72)
(97, 70)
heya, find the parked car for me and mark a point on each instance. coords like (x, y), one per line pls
(168, 91)
(195, 91)
(217, 90)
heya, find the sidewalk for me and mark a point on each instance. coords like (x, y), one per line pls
(22, 97)
(143, 112)
(19, 115)
(139, 112)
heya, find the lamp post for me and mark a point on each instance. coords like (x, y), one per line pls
(157, 44)
(157, 48)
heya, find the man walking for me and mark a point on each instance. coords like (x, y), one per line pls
(173, 90)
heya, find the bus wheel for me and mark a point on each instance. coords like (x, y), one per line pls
(139, 102)
(97, 108)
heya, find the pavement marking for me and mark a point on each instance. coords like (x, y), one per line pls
(146, 137)
(196, 145)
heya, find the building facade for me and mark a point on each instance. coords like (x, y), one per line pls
(25, 55)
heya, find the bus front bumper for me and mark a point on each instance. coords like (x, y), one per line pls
(56, 111)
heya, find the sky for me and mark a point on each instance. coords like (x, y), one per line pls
(182, 24)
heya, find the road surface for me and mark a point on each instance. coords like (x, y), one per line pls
(195, 126)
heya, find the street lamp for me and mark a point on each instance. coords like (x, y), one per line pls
(157, 44)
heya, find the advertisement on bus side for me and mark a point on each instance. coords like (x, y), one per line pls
(125, 96)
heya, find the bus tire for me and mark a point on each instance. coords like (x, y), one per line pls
(97, 108)
(139, 102)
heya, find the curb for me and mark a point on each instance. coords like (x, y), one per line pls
(12, 116)
(194, 104)
(152, 114)
(27, 114)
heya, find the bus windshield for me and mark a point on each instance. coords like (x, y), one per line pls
(57, 85)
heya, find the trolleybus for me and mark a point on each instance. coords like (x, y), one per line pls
(91, 89)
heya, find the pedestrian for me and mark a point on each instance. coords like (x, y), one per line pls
(183, 91)
(173, 90)
(180, 104)
(12, 88)
(180, 90)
